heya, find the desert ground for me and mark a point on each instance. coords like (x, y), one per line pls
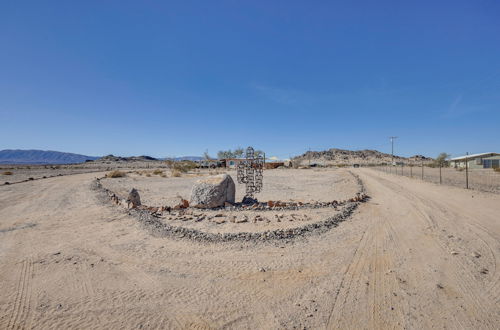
(416, 255)
(487, 180)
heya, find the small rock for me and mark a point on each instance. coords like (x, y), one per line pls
(133, 200)
(262, 270)
(454, 253)
(241, 219)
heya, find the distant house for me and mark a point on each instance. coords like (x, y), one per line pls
(484, 160)
(231, 162)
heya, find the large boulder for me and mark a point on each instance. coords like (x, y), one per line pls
(213, 191)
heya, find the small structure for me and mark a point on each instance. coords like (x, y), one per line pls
(477, 161)
(231, 162)
(273, 165)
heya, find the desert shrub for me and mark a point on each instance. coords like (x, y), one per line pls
(496, 169)
(115, 174)
(163, 175)
(176, 173)
(184, 166)
(157, 172)
(7, 173)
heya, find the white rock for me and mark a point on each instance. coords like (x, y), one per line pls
(213, 191)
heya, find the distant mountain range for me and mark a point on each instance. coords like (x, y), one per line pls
(55, 157)
(41, 157)
(191, 158)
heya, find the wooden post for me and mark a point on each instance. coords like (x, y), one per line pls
(466, 172)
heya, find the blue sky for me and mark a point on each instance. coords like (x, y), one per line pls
(168, 78)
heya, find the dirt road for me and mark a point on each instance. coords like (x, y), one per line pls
(416, 256)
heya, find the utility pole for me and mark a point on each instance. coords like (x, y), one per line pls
(392, 138)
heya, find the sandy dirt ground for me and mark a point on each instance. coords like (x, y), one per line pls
(299, 185)
(324, 185)
(415, 256)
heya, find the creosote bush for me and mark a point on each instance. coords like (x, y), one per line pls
(115, 174)
(157, 172)
(7, 173)
(176, 173)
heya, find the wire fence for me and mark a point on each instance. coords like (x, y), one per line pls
(479, 179)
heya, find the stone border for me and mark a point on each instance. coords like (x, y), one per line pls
(158, 228)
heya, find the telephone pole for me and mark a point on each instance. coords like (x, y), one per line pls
(392, 138)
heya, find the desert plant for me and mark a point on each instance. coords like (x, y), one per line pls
(7, 173)
(441, 160)
(157, 172)
(496, 169)
(176, 173)
(184, 166)
(115, 174)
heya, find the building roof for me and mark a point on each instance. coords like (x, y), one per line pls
(484, 154)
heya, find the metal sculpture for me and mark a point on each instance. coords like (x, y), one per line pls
(250, 173)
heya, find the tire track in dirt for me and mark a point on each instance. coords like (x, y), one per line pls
(21, 307)
(464, 276)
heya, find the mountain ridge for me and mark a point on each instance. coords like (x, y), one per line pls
(34, 156)
(335, 156)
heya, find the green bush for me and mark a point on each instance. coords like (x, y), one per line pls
(7, 173)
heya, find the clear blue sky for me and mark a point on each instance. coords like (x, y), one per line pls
(168, 78)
